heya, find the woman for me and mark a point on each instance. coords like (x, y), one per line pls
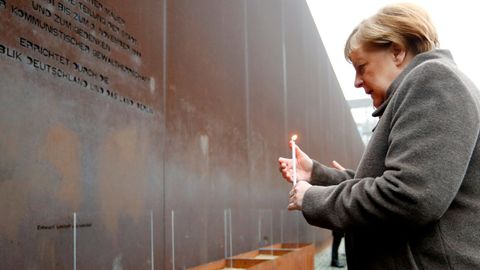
(414, 201)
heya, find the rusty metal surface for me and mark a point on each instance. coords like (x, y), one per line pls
(80, 135)
(156, 130)
(238, 85)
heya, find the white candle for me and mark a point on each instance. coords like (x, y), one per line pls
(294, 161)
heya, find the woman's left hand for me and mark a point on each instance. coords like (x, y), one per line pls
(296, 195)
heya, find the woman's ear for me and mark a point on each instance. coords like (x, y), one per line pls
(399, 54)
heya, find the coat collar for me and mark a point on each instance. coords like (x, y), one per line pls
(417, 60)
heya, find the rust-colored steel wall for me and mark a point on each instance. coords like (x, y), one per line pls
(145, 135)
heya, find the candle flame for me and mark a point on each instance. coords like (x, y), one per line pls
(294, 137)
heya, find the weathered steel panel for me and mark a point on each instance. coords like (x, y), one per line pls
(81, 123)
(206, 146)
(146, 135)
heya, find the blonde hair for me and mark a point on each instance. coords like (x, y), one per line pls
(405, 24)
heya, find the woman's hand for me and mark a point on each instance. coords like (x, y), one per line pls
(296, 195)
(337, 165)
(304, 166)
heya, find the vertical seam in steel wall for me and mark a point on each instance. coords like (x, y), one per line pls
(271, 229)
(308, 86)
(230, 233)
(225, 232)
(164, 125)
(247, 95)
(74, 240)
(284, 64)
(284, 74)
(281, 226)
(151, 241)
(247, 75)
(247, 106)
(173, 240)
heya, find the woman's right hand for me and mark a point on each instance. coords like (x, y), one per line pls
(304, 166)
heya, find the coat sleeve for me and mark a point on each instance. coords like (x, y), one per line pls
(326, 176)
(433, 131)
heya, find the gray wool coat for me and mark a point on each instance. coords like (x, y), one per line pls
(414, 201)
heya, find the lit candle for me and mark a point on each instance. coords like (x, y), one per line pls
(294, 160)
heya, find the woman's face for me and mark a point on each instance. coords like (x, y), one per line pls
(375, 70)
